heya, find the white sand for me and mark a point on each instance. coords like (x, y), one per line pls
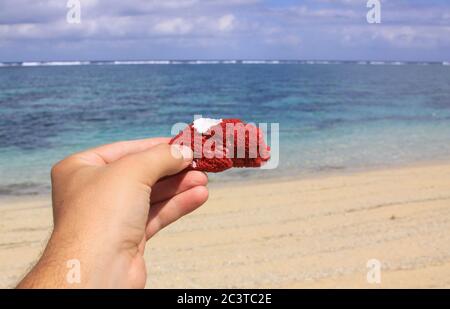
(302, 233)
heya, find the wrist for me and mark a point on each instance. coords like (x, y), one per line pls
(71, 262)
(101, 262)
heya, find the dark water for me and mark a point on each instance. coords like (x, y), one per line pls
(332, 117)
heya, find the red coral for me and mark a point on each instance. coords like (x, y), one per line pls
(213, 155)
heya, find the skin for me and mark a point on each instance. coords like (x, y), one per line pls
(107, 203)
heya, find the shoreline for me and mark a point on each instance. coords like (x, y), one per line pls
(270, 179)
(304, 232)
(311, 175)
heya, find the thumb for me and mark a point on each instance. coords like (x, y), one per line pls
(155, 163)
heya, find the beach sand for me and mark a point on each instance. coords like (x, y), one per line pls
(314, 232)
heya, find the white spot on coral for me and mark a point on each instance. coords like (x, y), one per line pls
(202, 125)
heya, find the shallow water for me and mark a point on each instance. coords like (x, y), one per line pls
(332, 116)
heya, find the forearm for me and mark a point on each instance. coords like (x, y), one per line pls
(77, 264)
(51, 270)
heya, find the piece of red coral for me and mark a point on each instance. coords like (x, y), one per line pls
(241, 145)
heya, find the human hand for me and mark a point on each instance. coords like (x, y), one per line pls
(102, 213)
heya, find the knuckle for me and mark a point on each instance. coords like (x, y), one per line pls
(56, 169)
(61, 167)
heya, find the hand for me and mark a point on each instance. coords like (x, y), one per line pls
(102, 213)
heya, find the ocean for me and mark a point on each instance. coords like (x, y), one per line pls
(333, 116)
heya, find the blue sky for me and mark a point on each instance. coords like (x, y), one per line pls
(226, 29)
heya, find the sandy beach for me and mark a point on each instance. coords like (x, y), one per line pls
(304, 233)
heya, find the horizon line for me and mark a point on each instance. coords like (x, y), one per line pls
(215, 61)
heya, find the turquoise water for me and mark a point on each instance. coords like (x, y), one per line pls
(332, 116)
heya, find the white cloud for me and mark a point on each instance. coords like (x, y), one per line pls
(226, 22)
(247, 25)
(173, 26)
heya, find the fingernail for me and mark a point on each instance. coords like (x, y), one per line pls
(180, 151)
(187, 153)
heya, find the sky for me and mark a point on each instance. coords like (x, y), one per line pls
(37, 30)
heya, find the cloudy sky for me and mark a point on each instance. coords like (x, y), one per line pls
(224, 29)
